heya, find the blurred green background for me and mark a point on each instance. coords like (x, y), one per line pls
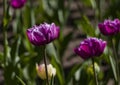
(78, 19)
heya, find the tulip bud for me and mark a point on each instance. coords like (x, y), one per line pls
(41, 71)
(17, 3)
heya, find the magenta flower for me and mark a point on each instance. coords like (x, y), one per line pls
(91, 47)
(43, 34)
(17, 3)
(109, 27)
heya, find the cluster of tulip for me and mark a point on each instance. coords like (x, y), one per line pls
(45, 33)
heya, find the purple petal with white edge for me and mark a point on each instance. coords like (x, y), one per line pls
(43, 34)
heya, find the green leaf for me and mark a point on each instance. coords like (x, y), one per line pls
(61, 16)
(59, 71)
(64, 43)
(113, 65)
(52, 53)
(22, 82)
(27, 17)
(15, 48)
(93, 3)
(113, 10)
(72, 72)
(1, 56)
(87, 2)
(86, 26)
(117, 42)
(52, 81)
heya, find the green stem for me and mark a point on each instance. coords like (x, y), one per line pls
(95, 74)
(117, 61)
(4, 31)
(5, 46)
(45, 62)
(4, 7)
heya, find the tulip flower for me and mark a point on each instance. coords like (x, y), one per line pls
(41, 71)
(90, 48)
(43, 34)
(109, 27)
(17, 3)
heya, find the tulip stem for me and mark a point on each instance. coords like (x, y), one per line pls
(4, 31)
(95, 75)
(45, 62)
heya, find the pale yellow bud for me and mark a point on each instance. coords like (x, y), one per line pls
(41, 71)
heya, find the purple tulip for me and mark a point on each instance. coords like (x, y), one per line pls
(91, 47)
(43, 34)
(109, 27)
(17, 3)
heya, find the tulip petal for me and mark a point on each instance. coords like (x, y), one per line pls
(109, 27)
(90, 47)
(43, 34)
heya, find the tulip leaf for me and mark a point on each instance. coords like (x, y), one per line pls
(87, 2)
(15, 48)
(61, 16)
(59, 71)
(65, 43)
(26, 17)
(113, 10)
(22, 82)
(52, 80)
(72, 72)
(86, 26)
(93, 3)
(117, 41)
(51, 51)
(1, 56)
(55, 62)
(113, 65)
